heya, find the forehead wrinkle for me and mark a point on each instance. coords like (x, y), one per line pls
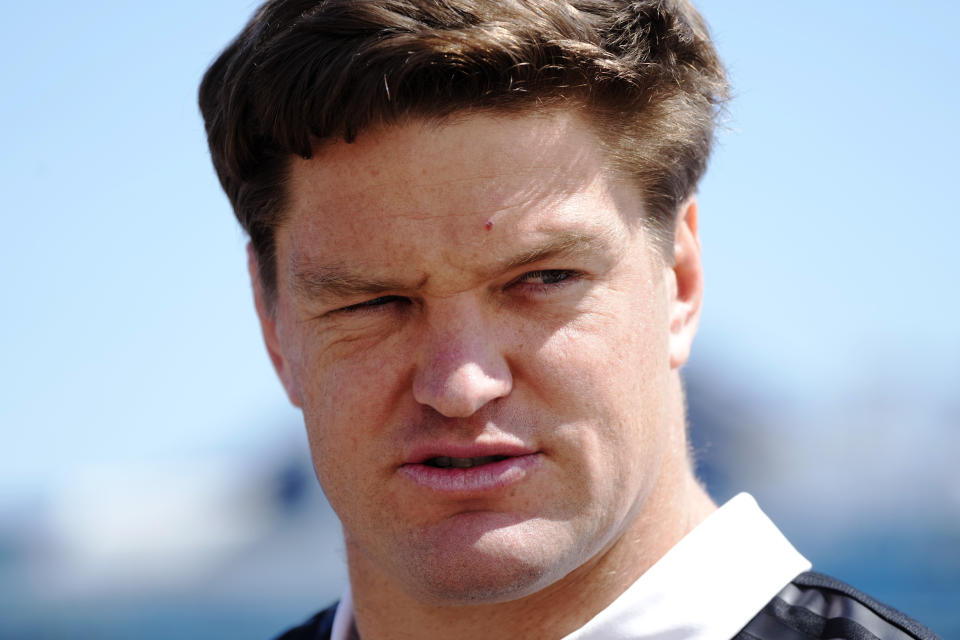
(535, 172)
(546, 177)
(530, 194)
(534, 197)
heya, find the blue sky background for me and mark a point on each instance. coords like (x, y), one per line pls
(141, 421)
(830, 214)
(829, 225)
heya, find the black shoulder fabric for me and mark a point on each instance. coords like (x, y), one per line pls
(318, 627)
(908, 624)
(818, 607)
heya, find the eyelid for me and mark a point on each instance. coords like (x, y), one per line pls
(568, 276)
(373, 304)
(540, 272)
(370, 304)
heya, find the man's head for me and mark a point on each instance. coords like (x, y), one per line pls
(644, 76)
(475, 261)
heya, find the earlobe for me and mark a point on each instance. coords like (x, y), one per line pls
(268, 325)
(688, 276)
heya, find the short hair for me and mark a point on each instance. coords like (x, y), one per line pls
(643, 73)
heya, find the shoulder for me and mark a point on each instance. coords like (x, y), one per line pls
(818, 607)
(316, 628)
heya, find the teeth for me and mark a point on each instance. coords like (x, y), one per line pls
(445, 462)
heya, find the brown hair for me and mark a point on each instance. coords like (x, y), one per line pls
(303, 71)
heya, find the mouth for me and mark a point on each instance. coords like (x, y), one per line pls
(447, 462)
(473, 475)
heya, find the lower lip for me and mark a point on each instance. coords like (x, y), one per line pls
(485, 477)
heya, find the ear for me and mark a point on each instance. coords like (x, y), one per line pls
(268, 325)
(688, 276)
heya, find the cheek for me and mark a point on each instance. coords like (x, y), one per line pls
(347, 403)
(346, 379)
(344, 412)
(614, 357)
(604, 377)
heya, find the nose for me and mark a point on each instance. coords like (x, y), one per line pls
(462, 367)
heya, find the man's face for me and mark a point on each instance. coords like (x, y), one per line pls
(484, 342)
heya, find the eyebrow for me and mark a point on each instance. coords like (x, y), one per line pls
(325, 282)
(335, 281)
(565, 244)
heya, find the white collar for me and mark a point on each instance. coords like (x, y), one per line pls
(707, 587)
(343, 626)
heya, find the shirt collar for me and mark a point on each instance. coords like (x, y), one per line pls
(707, 587)
(343, 625)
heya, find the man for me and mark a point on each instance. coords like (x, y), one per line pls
(474, 253)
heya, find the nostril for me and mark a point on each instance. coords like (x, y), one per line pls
(460, 391)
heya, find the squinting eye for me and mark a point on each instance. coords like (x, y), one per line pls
(372, 304)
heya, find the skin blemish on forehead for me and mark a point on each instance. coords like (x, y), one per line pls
(488, 225)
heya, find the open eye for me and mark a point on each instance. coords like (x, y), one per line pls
(547, 277)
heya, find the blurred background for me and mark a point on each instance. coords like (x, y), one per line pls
(155, 484)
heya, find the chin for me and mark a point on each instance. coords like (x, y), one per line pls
(498, 566)
(463, 589)
(489, 582)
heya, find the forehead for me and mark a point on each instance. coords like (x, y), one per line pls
(465, 187)
(498, 151)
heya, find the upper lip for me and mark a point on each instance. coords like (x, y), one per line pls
(422, 453)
